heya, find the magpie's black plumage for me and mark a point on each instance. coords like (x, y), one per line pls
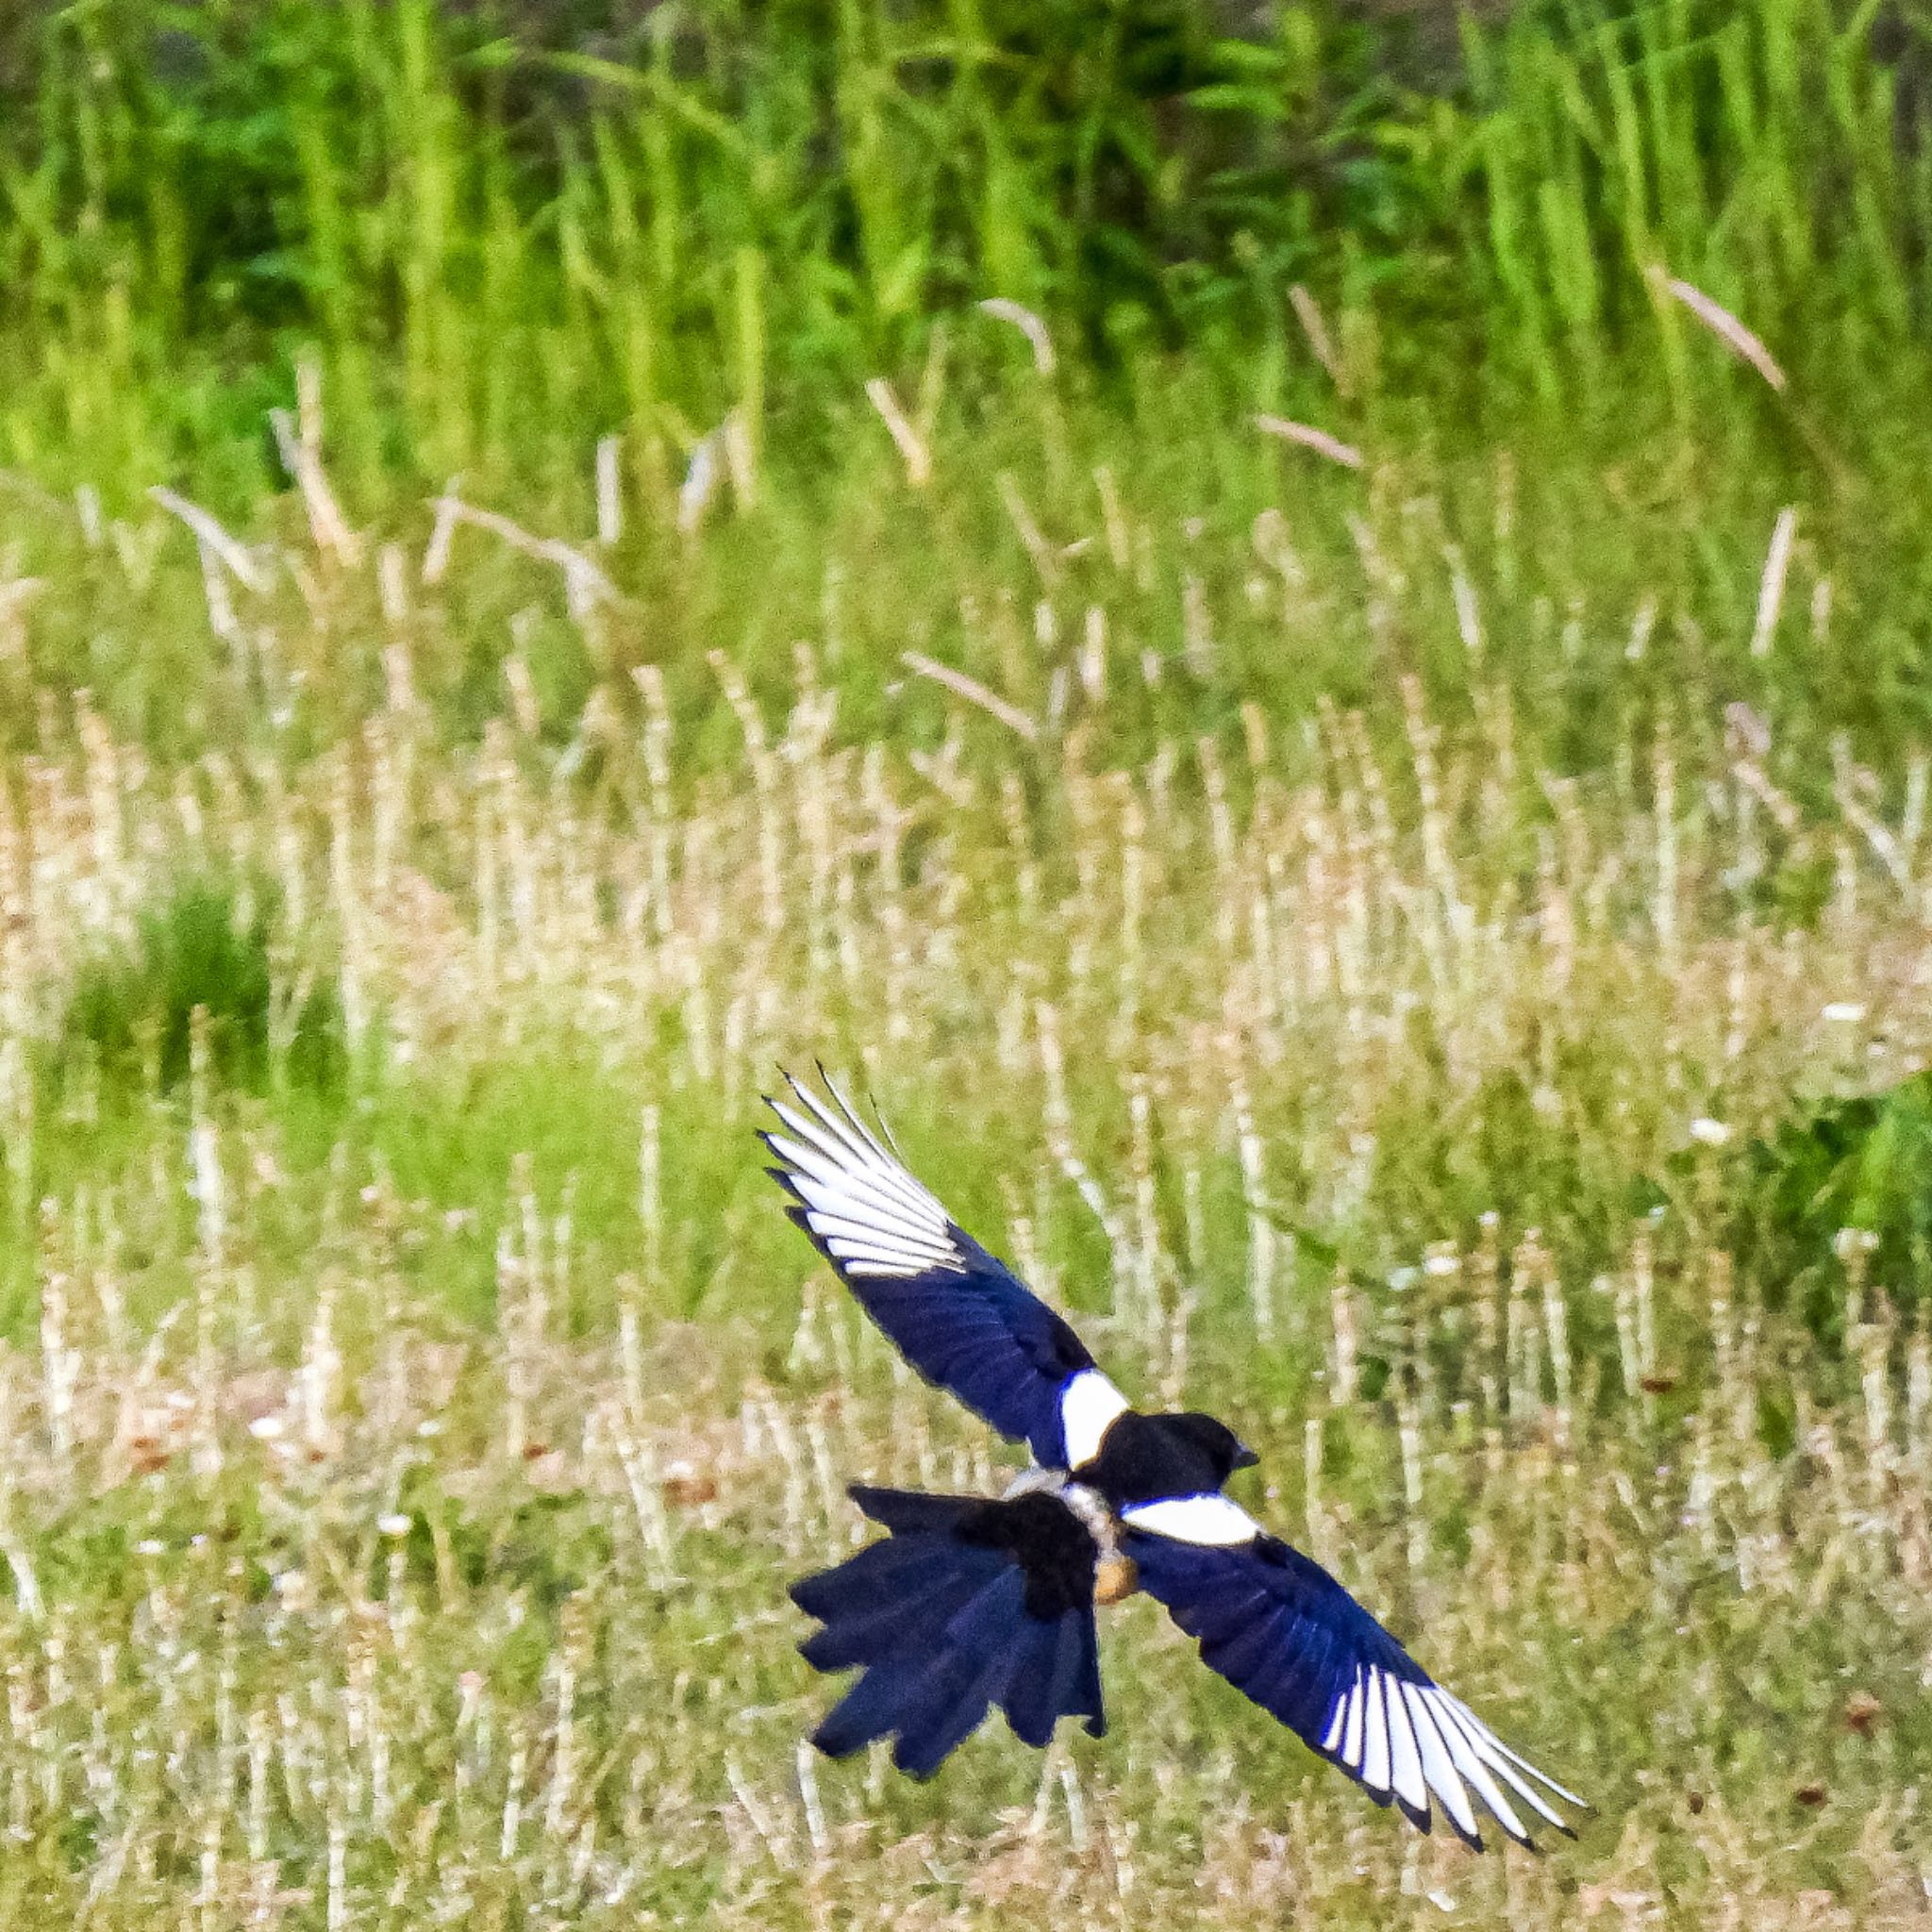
(973, 1602)
(968, 1604)
(1142, 1457)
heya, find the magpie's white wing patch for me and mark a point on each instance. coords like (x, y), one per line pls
(867, 1209)
(1438, 1769)
(1479, 1748)
(1375, 1751)
(1384, 1730)
(1411, 1741)
(1281, 1629)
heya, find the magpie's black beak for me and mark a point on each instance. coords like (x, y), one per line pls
(1244, 1458)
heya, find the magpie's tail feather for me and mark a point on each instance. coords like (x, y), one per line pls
(940, 1632)
(1056, 1674)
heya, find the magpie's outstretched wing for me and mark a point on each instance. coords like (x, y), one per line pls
(1279, 1628)
(960, 1317)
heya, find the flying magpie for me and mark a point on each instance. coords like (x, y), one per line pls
(972, 1602)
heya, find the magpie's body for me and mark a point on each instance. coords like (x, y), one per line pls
(973, 1602)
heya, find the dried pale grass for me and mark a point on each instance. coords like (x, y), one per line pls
(334, 1603)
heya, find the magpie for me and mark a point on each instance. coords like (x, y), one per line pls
(969, 1603)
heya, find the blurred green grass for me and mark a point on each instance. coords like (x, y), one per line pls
(506, 232)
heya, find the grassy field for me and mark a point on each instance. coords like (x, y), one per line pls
(1423, 954)
(418, 1402)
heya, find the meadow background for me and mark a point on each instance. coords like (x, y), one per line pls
(1348, 761)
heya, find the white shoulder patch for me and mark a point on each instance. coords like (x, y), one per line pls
(1090, 1405)
(1210, 1521)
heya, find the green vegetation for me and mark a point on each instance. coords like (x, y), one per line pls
(503, 231)
(1418, 939)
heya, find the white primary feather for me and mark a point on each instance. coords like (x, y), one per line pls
(1338, 1722)
(1405, 1761)
(1495, 1744)
(1374, 1733)
(1472, 1768)
(1504, 1763)
(869, 1153)
(1352, 1737)
(1439, 1770)
(874, 1215)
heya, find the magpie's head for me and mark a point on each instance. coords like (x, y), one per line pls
(1222, 1448)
